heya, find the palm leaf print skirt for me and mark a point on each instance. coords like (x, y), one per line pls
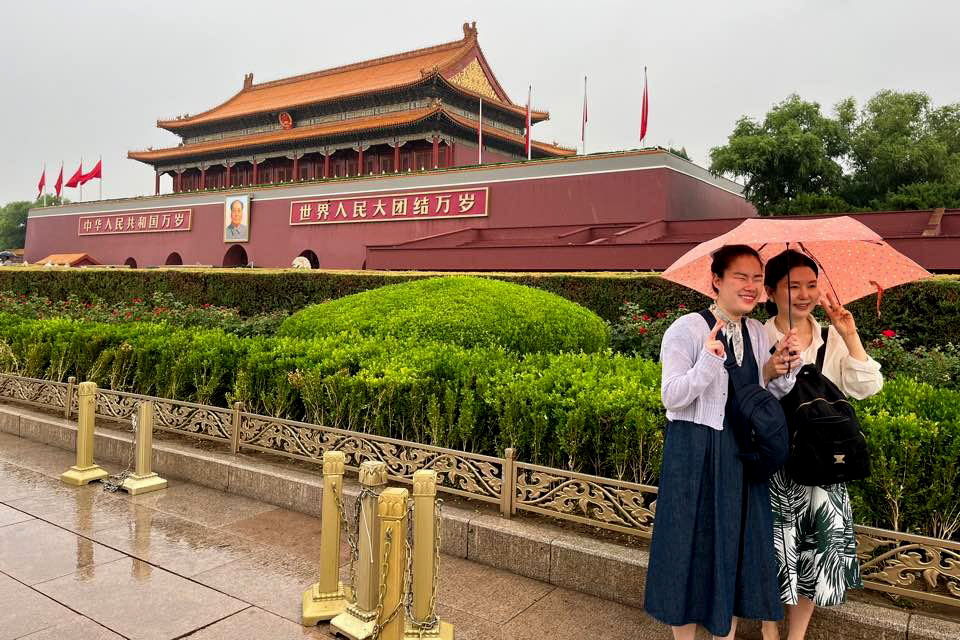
(814, 540)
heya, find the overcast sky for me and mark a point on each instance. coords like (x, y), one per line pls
(83, 79)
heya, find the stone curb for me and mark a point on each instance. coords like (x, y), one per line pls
(535, 550)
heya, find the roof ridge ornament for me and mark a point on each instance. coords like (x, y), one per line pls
(248, 80)
(470, 29)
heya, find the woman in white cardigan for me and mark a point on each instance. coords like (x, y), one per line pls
(814, 542)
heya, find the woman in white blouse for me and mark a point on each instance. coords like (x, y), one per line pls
(814, 538)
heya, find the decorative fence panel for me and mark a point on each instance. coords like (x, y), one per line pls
(899, 563)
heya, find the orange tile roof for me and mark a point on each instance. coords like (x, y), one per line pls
(66, 258)
(509, 135)
(378, 74)
(285, 135)
(367, 123)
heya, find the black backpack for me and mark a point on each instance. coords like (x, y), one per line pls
(759, 425)
(827, 445)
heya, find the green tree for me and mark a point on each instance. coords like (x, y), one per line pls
(898, 140)
(795, 150)
(13, 220)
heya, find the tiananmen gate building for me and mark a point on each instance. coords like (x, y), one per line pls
(378, 165)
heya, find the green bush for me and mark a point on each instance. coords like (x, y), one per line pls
(913, 432)
(925, 313)
(461, 310)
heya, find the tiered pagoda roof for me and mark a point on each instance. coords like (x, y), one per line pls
(459, 67)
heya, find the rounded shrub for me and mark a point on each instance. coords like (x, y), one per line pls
(462, 310)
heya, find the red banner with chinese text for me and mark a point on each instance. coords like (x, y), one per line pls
(429, 205)
(148, 222)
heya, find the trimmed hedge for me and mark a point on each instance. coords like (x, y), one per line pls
(462, 310)
(599, 412)
(924, 313)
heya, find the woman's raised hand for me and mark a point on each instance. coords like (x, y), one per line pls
(840, 318)
(785, 358)
(713, 345)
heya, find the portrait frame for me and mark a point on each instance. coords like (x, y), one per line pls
(240, 233)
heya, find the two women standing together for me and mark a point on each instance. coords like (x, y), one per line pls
(714, 557)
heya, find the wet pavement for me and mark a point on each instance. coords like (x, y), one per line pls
(194, 562)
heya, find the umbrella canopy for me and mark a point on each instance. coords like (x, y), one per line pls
(854, 261)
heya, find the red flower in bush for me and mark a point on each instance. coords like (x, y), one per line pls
(634, 317)
(642, 330)
(129, 313)
(681, 306)
(890, 333)
(661, 314)
(646, 318)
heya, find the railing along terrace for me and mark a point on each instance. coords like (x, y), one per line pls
(894, 562)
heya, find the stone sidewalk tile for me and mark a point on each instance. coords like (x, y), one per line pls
(598, 568)
(272, 581)
(486, 592)
(467, 626)
(859, 621)
(928, 628)
(275, 484)
(286, 531)
(36, 551)
(522, 547)
(141, 602)
(91, 509)
(256, 624)
(177, 545)
(567, 615)
(76, 628)
(9, 515)
(25, 611)
(201, 504)
(56, 432)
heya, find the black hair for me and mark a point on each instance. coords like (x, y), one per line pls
(776, 270)
(726, 254)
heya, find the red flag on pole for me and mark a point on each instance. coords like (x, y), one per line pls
(43, 181)
(59, 184)
(644, 109)
(529, 96)
(77, 178)
(94, 173)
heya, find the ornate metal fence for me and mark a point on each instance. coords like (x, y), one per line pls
(894, 562)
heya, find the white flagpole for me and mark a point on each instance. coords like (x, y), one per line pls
(529, 107)
(480, 135)
(81, 179)
(583, 124)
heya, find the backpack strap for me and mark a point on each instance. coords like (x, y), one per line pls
(822, 351)
(708, 316)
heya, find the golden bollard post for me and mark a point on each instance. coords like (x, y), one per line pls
(327, 599)
(85, 471)
(360, 618)
(143, 480)
(426, 561)
(392, 510)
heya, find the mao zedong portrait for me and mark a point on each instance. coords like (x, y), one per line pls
(236, 230)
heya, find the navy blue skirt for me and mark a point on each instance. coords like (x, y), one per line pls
(712, 555)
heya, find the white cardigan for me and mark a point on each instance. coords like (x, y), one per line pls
(694, 382)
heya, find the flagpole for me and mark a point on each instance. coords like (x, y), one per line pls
(529, 107)
(480, 134)
(583, 133)
(100, 179)
(81, 179)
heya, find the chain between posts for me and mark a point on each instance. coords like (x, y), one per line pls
(113, 483)
(431, 621)
(384, 574)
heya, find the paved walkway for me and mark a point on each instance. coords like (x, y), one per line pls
(193, 562)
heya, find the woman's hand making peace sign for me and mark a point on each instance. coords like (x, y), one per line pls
(713, 345)
(840, 318)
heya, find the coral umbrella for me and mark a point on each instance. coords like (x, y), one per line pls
(854, 261)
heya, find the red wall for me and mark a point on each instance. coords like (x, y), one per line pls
(627, 196)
